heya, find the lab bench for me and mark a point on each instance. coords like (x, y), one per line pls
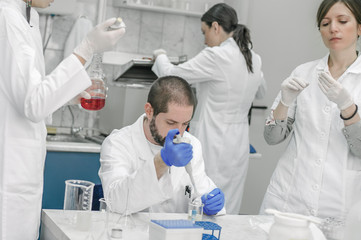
(68, 160)
(55, 225)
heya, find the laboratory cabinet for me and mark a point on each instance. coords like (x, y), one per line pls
(61, 166)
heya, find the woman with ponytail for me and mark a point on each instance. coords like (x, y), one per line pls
(227, 75)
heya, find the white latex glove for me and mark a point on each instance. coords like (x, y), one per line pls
(334, 91)
(290, 88)
(158, 52)
(99, 39)
(81, 95)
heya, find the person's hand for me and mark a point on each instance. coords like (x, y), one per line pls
(213, 202)
(334, 91)
(99, 39)
(290, 88)
(77, 99)
(158, 52)
(178, 154)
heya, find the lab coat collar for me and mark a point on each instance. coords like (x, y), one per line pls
(140, 141)
(228, 41)
(354, 68)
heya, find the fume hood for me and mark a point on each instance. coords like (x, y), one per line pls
(134, 70)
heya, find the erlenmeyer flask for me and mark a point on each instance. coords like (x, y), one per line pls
(97, 90)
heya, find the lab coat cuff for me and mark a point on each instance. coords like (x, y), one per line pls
(159, 62)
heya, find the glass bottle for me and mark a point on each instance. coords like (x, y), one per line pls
(97, 90)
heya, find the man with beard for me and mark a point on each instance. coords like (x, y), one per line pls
(143, 169)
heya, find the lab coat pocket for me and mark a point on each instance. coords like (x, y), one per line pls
(23, 166)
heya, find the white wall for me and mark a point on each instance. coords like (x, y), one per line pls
(285, 34)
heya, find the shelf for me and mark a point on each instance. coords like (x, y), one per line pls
(124, 4)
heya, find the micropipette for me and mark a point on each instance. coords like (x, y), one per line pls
(188, 167)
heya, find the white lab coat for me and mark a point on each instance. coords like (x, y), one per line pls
(317, 175)
(127, 161)
(225, 91)
(27, 97)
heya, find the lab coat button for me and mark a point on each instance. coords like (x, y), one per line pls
(351, 145)
(327, 109)
(313, 212)
(318, 161)
(322, 135)
(315, 187)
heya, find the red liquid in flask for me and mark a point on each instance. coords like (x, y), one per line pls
(93, 103)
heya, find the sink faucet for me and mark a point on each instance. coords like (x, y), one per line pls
(73, 130)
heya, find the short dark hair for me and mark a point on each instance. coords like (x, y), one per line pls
(353, 5)
(170, 89)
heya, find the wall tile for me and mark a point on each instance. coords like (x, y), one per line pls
(150, 32)
(130, 41)
(193, 38)
(173, 32)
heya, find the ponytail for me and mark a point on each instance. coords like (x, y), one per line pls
(242, 36)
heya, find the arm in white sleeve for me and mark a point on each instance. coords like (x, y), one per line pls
(126, 179)
(198, 69)
(34, 95)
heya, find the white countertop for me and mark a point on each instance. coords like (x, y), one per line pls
(73, 147)
(55, 225)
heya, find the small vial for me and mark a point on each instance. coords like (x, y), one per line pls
(117, 24)
(117, 233)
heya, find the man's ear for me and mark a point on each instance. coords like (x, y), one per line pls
(148, 110)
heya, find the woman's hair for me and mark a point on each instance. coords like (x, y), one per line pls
(226, 16)
(170, 89)
(353, 5)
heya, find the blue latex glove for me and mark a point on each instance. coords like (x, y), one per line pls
(213, 201)
(178, 155)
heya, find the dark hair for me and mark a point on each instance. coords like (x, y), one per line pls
(353, 5)
(226, 16)
(170, 89)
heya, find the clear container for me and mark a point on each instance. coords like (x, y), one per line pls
(287, 228)
(78, 195)
(195, 210)
(97, 90)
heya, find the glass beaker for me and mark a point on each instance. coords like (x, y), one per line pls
(97, 90)
(78, 195)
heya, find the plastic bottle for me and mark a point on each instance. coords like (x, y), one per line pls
(287, 228)
(98, 89)
(353, 223)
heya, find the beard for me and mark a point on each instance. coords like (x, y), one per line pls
(155, 133)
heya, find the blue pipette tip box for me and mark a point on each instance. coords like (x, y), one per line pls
(179, 229)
